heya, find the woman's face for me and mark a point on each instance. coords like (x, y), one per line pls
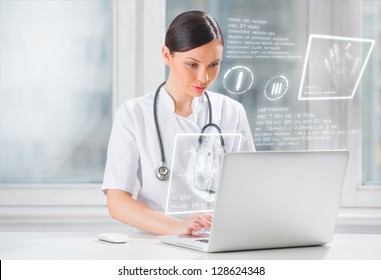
(192, 72)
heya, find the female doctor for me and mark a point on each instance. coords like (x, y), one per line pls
(142, 138)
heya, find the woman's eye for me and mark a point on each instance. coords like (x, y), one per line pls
(214, 65)
(192, 65)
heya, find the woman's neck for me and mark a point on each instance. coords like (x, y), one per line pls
(183, 102)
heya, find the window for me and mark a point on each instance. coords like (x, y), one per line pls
(55, 110)
(67, 65)
(56, 90)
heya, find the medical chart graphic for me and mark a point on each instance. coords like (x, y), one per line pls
(196, 165)
(333, 67)
(276, 87)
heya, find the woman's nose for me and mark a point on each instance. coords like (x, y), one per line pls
(203, 76)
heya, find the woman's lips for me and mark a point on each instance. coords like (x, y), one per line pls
(199, 89)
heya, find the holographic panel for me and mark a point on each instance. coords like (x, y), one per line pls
(333, 67)
(195, 170)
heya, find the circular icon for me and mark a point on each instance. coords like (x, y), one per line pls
(276, 87)
(238, 80)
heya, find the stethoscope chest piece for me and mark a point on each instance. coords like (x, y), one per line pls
(162, 173)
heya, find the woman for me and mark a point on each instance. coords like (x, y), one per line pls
(193, 52)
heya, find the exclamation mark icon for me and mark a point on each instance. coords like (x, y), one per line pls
(239, 81)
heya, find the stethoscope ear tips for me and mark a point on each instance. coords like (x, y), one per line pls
(162, 173)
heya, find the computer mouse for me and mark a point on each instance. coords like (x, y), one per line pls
(113, 237)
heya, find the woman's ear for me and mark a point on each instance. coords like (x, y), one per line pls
(166, 55)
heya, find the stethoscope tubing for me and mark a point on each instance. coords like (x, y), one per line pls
(157, 125)
(162, 172)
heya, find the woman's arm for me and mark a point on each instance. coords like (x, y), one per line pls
(124, 208)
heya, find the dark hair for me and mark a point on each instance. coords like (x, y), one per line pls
(190, 30)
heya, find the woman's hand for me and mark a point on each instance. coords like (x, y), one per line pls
(124, 208)
(194, 222)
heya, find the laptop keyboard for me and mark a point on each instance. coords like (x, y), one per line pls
(203, 240)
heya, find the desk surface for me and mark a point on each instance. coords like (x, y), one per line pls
(80, 246)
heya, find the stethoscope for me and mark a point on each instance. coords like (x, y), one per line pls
(162, 172)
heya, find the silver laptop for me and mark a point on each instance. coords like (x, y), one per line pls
(273, 200)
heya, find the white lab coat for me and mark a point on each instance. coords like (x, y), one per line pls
(134, 152)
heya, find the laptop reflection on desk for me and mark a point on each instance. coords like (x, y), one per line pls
(273, 199)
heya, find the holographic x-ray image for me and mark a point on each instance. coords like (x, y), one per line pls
(333, 67)
(204, 166)
(342, 65)
(196, 165)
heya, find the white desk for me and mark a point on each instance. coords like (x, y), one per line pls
(80, 246)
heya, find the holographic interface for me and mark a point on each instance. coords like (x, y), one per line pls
(333, 67)
(196, 165)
